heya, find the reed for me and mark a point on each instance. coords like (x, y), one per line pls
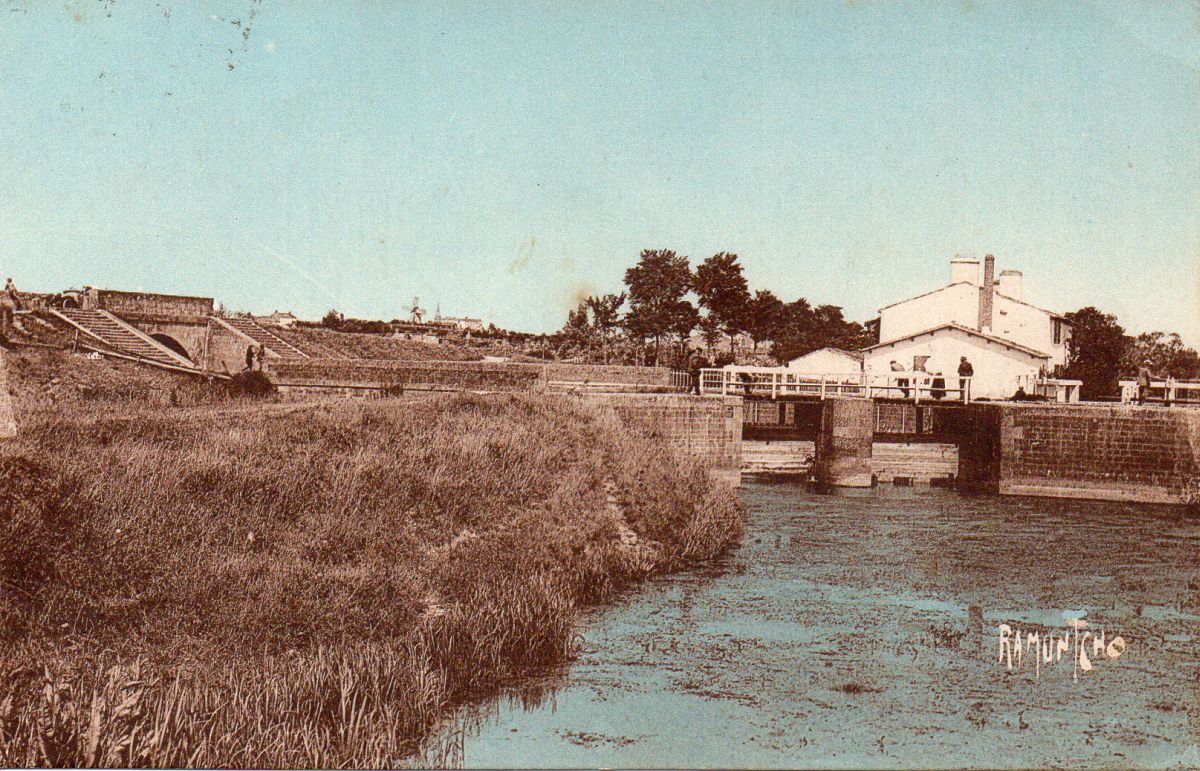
(312, 586)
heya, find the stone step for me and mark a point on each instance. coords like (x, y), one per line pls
(117, 335)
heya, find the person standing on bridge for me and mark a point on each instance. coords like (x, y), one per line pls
(937, 387)
(1144, 379)
(901, 382)
(965, 370)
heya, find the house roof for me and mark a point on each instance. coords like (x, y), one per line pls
(965, 330)
(956, 283)
(1031, 305)
(856, 355)
(923, 294)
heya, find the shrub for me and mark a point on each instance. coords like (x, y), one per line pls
(251, 384)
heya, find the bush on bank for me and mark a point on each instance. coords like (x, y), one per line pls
(312, 586)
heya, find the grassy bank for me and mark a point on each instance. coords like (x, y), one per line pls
(311, 586)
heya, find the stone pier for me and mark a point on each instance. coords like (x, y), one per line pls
(843, 445)
(8, 420)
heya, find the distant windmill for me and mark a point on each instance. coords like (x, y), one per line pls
(417, 313)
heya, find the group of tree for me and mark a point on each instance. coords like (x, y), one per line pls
(665, 302)
(1100, 354)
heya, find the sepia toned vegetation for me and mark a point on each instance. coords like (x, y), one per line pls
(291, 585)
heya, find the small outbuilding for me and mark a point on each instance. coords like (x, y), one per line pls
(827, 361)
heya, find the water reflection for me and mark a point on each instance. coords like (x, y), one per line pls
(861, 630)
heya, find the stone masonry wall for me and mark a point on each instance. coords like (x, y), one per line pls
(391, 373)
(1144, 454)
(706, 427)
(609, 373)
(499, 376)
(136, 304)
(1116, 453)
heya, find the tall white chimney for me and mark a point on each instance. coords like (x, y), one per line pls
(964, 269)
(1011, 282)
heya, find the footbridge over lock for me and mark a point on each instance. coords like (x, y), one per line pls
(1144, 454)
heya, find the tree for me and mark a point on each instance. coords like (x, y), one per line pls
(686, 319)
(332, 319)
(722, 290)
(834, 331)
(1167, 354)
(1094, 352)
(764, 316)
(578, 330)
(710, 331)
(606, 316)
(657, 287)
(795, 332)
(805, 329)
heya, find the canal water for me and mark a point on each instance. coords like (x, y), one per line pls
(863, 630)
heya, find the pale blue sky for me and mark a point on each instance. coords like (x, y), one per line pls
(501, 158)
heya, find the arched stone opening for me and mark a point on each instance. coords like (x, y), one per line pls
(172, 343)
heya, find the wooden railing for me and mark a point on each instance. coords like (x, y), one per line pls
(775, 382)
(1059, 390)
(1163, 391)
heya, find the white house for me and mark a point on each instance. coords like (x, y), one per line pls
(1008, 341)
(279, 318)
(827, 361)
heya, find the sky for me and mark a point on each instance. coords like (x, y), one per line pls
(504, 159)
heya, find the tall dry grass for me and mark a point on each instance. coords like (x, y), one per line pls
(311, 586)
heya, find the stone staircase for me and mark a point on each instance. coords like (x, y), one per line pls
(275, 344)
(120, 336)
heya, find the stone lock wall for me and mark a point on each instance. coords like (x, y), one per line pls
(706, 427)
(386, 374)
(608, 373)
(1143, 454)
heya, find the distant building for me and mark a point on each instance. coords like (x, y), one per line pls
(279, 318)
(1008, 341)
(459, 322)
(827, 361)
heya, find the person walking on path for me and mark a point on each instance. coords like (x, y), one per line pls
(965, 370)
(1144, 378)
(262, 355)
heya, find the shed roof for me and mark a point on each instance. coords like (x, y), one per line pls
(856, 355)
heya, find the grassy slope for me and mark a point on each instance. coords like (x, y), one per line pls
(357, 345)
(310, 586)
